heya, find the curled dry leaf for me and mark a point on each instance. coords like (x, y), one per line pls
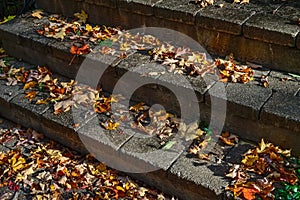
(37, 14)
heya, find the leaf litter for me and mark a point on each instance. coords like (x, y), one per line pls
(114, 40)
(261, 171)
(43, 169)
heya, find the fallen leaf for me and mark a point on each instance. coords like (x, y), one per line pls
(110, 125)
(6, 19)
(30, 95)
(81, 16)
(37, 14)
(84, 49)
(168, 145)
(30, 84)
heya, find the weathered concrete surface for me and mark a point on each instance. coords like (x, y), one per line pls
(247, 30)
(265, 27)
(223, 19)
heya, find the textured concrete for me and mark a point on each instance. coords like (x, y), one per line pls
(246, 100)
(223, 19)
(261, 31)
(265, 27)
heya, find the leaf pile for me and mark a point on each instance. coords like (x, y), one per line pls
(230, 71)
(268, 162)
(77, 31)
(182, 60)
(112, 40)
(43, 169)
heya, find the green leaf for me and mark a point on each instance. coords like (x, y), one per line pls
(107, 43)
(294, 75)
(6, 19)
(168, 145)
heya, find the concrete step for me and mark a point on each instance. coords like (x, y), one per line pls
(265, 32)
(177, 172)
(248, 110)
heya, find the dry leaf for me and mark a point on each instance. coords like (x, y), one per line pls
(81, 16)
(30, 95)
(37, 14)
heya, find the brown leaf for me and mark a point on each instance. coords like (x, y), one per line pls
(37, 14)
(84, 49)
(30, 95)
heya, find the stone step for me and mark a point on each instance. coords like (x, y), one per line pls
(265, 32)
(176, 172)
(252, 111)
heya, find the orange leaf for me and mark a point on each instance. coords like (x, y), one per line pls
(249, 193)
(30, 84)
(84, 49)
(30, 95)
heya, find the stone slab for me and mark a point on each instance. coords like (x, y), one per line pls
(208, 176)
(223, 19)
(145, 152)
(141, 7)
(246, 100)
(283, 83)
(282, 110)
(256, 130)
(271, 29)
(106, 3)
(176, 10)
(31, 105)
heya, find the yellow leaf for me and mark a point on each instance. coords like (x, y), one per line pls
(41, 101)
(81, 16)
(109, 125)
(17, 162)
(19, 177)
(89, 28)
(262, 146)
(37, 14)
(2, 51)
(30, 84)
(120, 188)
(52, 187)
(138, 107)
(249, 160)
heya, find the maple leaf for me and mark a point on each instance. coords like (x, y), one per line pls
(17, 162)
(81, 16)
(37, 14)
(84, 49)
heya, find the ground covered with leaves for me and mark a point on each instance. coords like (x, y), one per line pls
(39, 168)
(88, 39)
(266, 172)
(43, 169)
